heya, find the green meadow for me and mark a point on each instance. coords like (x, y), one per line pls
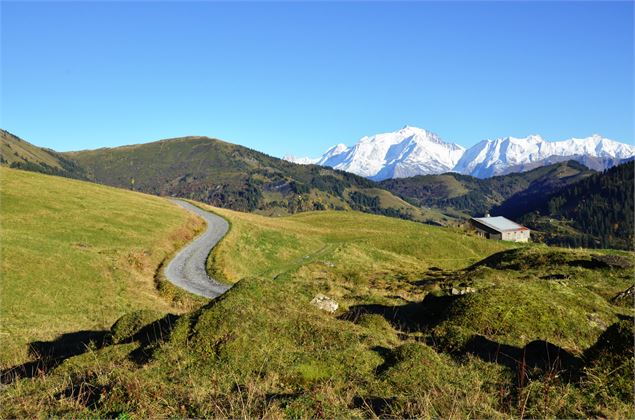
(76, 256)
(431, 322)
(363, 244)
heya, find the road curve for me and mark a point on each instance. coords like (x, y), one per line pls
(187, 268)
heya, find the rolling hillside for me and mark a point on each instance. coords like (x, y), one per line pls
(20, 154)
(431, 323)
(75, 256)
(506, 194)
(235, 177)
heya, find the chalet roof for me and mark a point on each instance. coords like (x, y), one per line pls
(499, 223)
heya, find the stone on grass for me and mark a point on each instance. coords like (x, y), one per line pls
(324, 303)
(462, 291)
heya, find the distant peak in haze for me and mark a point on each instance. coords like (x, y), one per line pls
(412, 151)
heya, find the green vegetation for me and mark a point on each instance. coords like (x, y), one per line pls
(238, 178)
(432, 322)
(566, 204)
(76, 256)
(556, 296)
(596, 211)
(355, 244)
(217, 173)
(505, 195)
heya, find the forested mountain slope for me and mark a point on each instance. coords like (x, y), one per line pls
(475, 197)
(594, 212)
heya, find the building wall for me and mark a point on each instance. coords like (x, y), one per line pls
(516, 235)
(488, 235)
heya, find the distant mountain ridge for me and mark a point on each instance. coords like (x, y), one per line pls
(218, 173)
(510, 154)
(504, 195)
(564, 203)
(413, 151)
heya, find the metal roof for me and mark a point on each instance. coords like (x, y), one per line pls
(499, 223)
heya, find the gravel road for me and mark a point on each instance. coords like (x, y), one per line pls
(187, 268)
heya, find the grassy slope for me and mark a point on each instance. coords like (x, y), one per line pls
(17, 153)
(264, 350)
(358, 242)
(13, 149)
(77, 255)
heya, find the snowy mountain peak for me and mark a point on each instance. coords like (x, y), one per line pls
(299, 160)
(337, 149)
(406, 152)
(412, 151)
(512, 154)
(410, 130)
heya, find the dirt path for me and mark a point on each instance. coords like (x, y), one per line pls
(187, 268)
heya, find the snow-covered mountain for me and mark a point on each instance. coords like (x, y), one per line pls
(406, 152)
(511, 154)
(414, 151)
(300, 160)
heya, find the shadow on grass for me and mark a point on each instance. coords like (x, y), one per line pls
(380, 406)
(411, 317)
(425, 315)
(50, 354)
(538, 354)
(149, 337)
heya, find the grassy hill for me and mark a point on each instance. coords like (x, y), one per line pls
(361, 244)
(75, 256)
(505, 195)
(431, 322)
(19, 154)
(235, 177)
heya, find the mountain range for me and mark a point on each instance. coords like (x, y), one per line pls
(232, 176)
(413, 151)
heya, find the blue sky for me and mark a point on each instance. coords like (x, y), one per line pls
(299, 77)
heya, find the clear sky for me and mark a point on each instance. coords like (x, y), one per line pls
(299, 77)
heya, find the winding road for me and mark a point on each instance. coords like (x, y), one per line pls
(187, 268)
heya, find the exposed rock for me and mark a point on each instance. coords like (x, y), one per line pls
(324, 303)
(595, 320)
(625, 297)
(462, 291)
